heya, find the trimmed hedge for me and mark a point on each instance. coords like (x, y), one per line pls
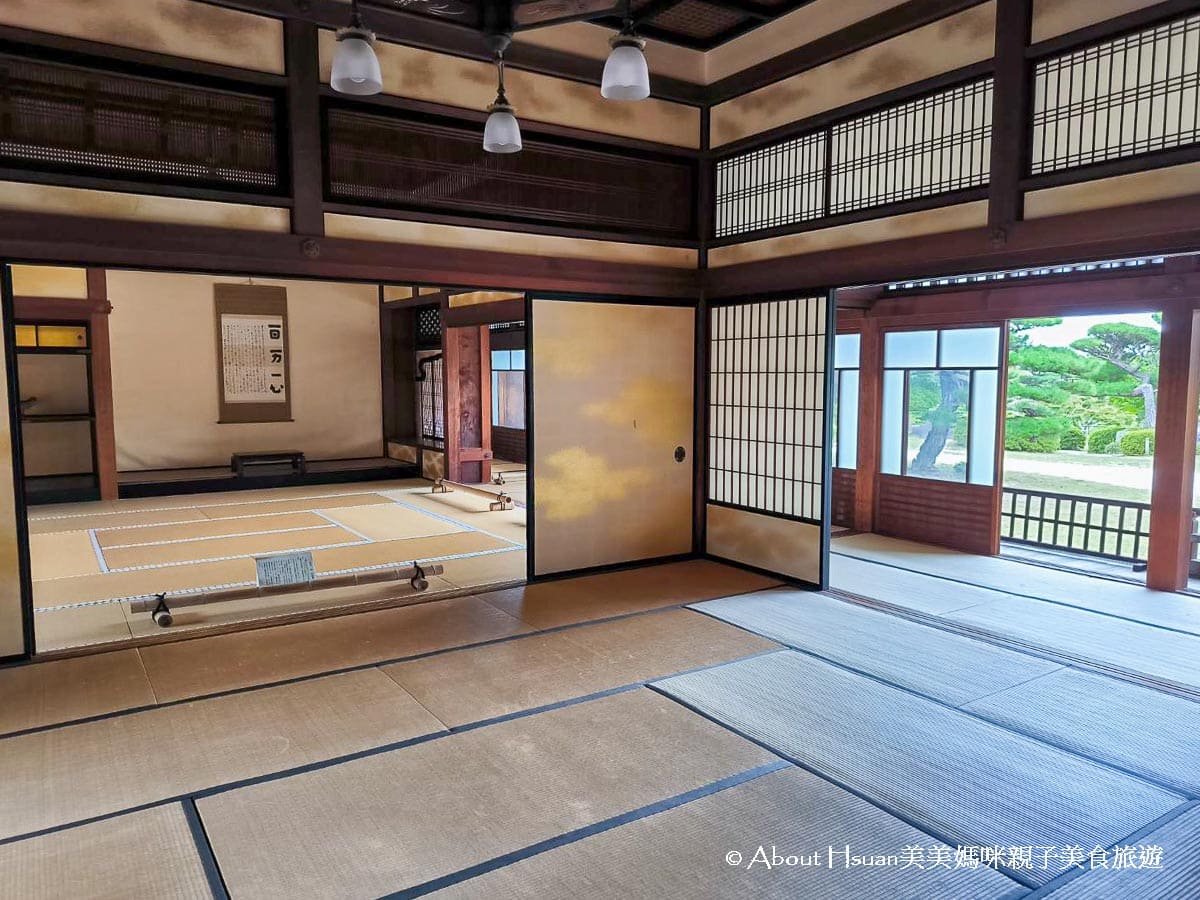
(1139, 442)
(1033, 435)
(1101, 440)
(1072, 439)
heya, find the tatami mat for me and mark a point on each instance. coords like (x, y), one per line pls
(394, 820)
(393, 552)
(1137, 728)
(80, 626)
(69, 774)
(936, 663)
(222, 662)
(62, 555)
(487, 569)
(965, 781)
(84, 521)
(225, 547)
(681, 853)
(150, 854)
(300, 504)
(485, 682)
(911, 590)
(470, 509)
(390, 521)
(1098, 594)
(552, 603)
(1176, 878)
(188, 531)
(141, 582)
(1163, 655)
(67, 689)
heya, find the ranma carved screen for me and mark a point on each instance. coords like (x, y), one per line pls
(612, 404)
(767, 463)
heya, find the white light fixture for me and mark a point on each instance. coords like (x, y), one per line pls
(355, 66)
(626, 75)
(502, 132)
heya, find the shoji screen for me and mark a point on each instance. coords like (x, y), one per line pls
(767, 460)
(612, 406)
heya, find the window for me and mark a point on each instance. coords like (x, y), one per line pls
(767, 407)
(919, 148)
(845, 400)
(508, 389)
(926, 147)
(940, 403)
(1134, 94)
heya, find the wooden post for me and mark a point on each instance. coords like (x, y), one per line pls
(468, 404)
(104, 427)
(870, 393)
(1010, 106)
(1174, 449)
(304, 124)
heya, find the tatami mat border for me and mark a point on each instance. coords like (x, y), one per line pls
(371, 665)
(208, 859)
(1143, 776)
(1014, 874)
(1011, 593)
(358, 754)
(587, 831)
(1141, 679)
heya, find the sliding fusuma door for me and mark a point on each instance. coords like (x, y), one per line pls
(768, 469)
(612, 388)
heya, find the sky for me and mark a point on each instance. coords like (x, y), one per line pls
(1075, 327)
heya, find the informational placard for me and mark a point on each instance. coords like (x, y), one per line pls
(284, 568)
(252, 354)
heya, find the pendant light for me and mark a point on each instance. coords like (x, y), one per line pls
(502, 132)
(626, 75)
(355, 66)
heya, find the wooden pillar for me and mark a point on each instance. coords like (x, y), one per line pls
(102, 386)
(468, 373)
(1174, 449)
(1010, 111)
(304, 127)
(870, 394)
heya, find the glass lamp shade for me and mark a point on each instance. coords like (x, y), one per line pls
(626, 75)
(355, 66)
(502, 133)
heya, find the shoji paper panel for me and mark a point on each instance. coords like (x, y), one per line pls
(767, 435)
(612, 400)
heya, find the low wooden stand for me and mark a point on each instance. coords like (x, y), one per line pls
(294, 458)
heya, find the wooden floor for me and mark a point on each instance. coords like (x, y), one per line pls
(637, 734)
(89, 560)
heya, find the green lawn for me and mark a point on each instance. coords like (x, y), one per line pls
(1085, 474)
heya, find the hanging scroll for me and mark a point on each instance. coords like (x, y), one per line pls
(253, 361)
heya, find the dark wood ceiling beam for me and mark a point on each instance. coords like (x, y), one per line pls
(72, 240)
(1160, 227)
(443, 36)
(861, 34)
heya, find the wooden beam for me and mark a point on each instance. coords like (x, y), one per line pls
(1158, 227)
(104, 423)
(304, 127)
(1010, 115)
(35, 237)
(485, 313)
(1174, 449)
